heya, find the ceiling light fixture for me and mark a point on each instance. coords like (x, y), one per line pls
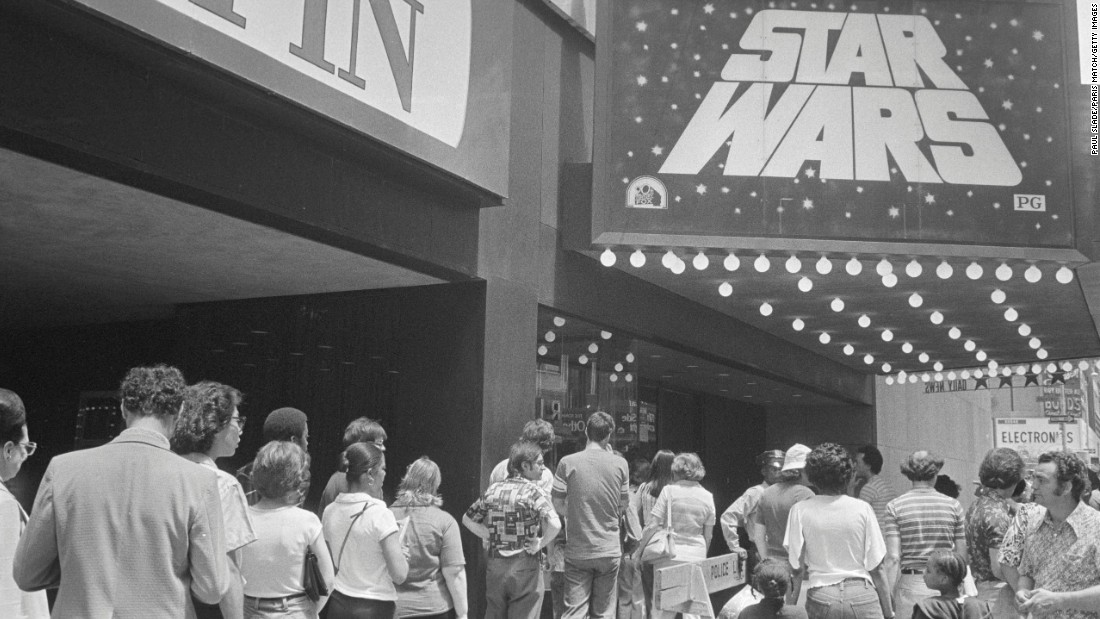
(1064, 275)
(637, 259)
(700, 262)
(1003, 272)
(732, 262)
(1033, 274)
(824, 266)
(629, 357)
(725, 289)
(887, 335)
(1024, 330)
(605, 335)
(837, 304)
(980, 355)
(868, 359)
(937, 377)
(797, 324)
(907, 348)
(969, 345)
(593, 348)
(761, 264)
(883, 268)
(824, 338)
(889, 280)
(913, 269)
(1034, 343)
(805, 284)
(915, 300)
(550, 336)
(974, 270)
(938, 366)
(794, 265)
(853, 267)
(954, 333)
(543, 350)
(608, 258)
(864, 321)
(1011, 314)
(765, 309)
(944, 270)
(849, 350)
(923, 357)
(886, 368)
(936, 317)
(583, 359)
(997, 296)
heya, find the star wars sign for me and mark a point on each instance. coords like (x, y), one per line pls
(928, 121)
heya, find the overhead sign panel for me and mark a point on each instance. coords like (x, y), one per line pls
(941, 122)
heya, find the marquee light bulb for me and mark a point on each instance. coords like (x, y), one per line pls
(725, 289)
(550, 336)
(605, 335)
(965, 375)
(761, 264)
(583, 359)
(868, 359)
(798, 324)
(668, 259)
(805, 284)
(559, 321)
(992, 367)
(864, 321)
(997, 296)
(1052, 368)
(886, 367)
(732, 262)
(901, 376)
(1024, 330)
(936, 317)
(944, 270)
(853, 266)
(793, 264)
(678, 267)
(1021, 370)
(887, 335)
(889, 380)
(915, 300)
(969, 345)
(889, 280)
(974, 270)
(980, 355)
(824, 338)
(1082, 365)
(884, 268)
(978, 374)
(637, 259)
(913, 269)
(1034, 343)
(1064, 275)
(907, 348)
(629, 357)
(1033, 274)
(913, 378)
(1011, 314)
(923, 357)
(824, 266)
(1036, 368)
(1066, 366)
(937, 377)
(837, 305)
(951, 376)
(628, 378)
(938, 366)
(593, 348)
(925, 377)
(849, 350)
(1006, 371)
(765, 309)
(608, 258)
(613, 378)
(700, 262)
(618, 367)
(1003, 272)
(543, 350)
(954, 333)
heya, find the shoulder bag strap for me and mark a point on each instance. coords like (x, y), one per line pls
(668, 512)
(340, 556)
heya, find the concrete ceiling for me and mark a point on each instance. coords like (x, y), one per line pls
(77, 249)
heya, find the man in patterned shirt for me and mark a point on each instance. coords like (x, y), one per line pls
(917, 523)
(1060, 565)
(988, 520)
(510, 515)
(872, 488)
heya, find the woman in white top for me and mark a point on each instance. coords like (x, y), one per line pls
(366, 547)
(15, 448)
(693, 514)
(274, 564)
(209, 427)
(836, 538)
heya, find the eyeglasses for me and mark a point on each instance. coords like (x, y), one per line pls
(29, 447)
(240, 419)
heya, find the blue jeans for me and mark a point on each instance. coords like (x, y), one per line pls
(590, 587)
(854, 598)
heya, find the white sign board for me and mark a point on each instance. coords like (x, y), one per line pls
(1033, 436)
(673, 585)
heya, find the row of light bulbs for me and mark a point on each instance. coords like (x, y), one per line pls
(991, 371)
(824, 266)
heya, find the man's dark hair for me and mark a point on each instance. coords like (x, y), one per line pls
(207, 408)
(829, 468)
(13, 416)
(1001, 468)
(156, 390)
(363, 430)
(600, 426)
(285, 424)
(1069, 468)
(947, 486)
(538, 431)
(872, 457)
(522, 451)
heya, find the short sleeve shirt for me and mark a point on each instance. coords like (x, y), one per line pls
(361, 563)
(513, 511)
(987, 521)
(1012, 546)
(595, 485)
(772, 511)
(239, 531)
(835, 538)
(693, 513)
(878, 493)
(433, 540)
(1064, 557)
(926, 521)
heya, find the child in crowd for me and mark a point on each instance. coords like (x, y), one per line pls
(772, 578)
(944, 572)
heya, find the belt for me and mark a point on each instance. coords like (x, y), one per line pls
(852, 579)
(276, 600)
(912, 570)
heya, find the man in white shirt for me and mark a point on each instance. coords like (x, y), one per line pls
(736, 518)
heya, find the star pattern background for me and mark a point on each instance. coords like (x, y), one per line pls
(668, 53)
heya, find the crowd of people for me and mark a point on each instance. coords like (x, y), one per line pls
(149, 526)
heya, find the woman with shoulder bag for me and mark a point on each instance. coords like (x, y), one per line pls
(364, 539)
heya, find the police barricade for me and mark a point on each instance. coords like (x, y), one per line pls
(686, 587)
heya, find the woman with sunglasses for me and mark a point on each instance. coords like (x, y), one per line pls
(365, 540)
(16, 448)
(209, 427)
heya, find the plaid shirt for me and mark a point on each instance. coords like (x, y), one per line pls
(512, 510)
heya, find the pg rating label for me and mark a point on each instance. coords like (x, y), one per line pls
(1034, 203)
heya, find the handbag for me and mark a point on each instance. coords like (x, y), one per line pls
(312, 581)
(658, 543)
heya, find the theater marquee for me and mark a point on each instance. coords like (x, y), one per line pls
(941, 122)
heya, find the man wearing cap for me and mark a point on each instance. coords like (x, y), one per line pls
(918, 523)
(282, 424)
(769, 519)
(736, 517)
(872, 488)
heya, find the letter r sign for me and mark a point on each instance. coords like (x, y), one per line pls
(1029, 202)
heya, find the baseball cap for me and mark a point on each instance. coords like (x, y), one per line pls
(795, 457)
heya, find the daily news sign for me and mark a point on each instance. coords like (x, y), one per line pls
(941, 122)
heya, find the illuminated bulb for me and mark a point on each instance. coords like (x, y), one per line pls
(1052, 368)
(954, 333)
(889, 280)
(965, 375)
(593, 348)
(542, 351)
(765, 309)
(762, 263)
(936, 317)
(997, 296)
(864, 321)
(725, 289)
(550, 336)
(889, 380)
(886, 367)
(992, 367)
(824, 266)
(559, 321)
(605, 335)
(937, 377)
(1021, 370)
(978, 374)
(679, 266)
(1011, 314)
(913, 378)
(608, 258)
(583, 359)
(849, 350)
(1034, 343)
(700, 262)
(1024, 330)
(837, 305)
(915, 300)
(868, 359)
(937, 366)
(907, 348)
(887, 335)
(794, 265)
(944, 271)
(1066, 366)
(901, 376)
(1036, 368)
(853, 267)
(925, 377)
(637, 259)
(884, 268)
(732, 262)
(1083, 365)
(824, 338)
(923, 357)
(798, 325)
(974, 270)
(1003, 272)
(1033, 274)
(613, 378)
(618, 367)
(980, 355)
(969, 345)
(629, 378)
(1064, 275)
(913, 269)
(1006, 371)
(669, 259)
(630, 357)
(805, 284)
(951, 376)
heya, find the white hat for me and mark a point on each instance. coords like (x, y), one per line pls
(795, 458)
